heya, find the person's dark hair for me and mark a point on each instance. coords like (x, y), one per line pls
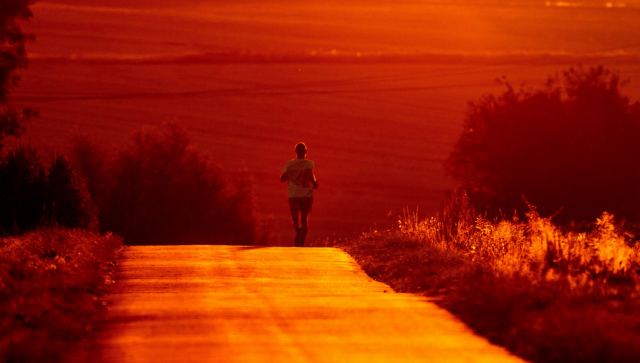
(301, 148)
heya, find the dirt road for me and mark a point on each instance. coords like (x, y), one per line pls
(246, 304)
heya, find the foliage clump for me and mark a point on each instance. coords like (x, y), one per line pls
(600, 260)
(159, 189)
(13, 56)
(545, 293)
(499, 253)
(52, 284)
(33, 194)
(571, 148)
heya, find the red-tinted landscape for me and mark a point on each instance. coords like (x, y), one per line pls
(377, 89)
(478, 159)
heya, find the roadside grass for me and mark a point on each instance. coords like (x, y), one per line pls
(51, 287)
(546, 294)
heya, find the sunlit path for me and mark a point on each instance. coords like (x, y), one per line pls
(246, 304)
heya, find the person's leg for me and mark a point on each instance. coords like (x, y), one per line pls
(304, 215)
(303, 228)
(294, 207)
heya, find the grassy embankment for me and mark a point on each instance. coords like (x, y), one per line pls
(546, 294)
(51, 286)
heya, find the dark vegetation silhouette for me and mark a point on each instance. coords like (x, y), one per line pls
(54, 282)
(52, 279)
(159, 189)
(33, 194)
(13, 56)
(68, 202)
(571, 149)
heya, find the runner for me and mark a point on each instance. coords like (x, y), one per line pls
(302, 181)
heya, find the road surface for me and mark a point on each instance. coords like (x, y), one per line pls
(276, 304)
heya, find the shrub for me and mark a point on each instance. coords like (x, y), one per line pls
(571, 148)
(13, 56)
(32, 196)
(91, 163)
(22, 190)
(161, 190)
(51, 286)
(546, 294)
(599, 260)
(68, 203)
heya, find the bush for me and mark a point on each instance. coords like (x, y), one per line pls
(32, 196)
(51, 286)
(68, 203)
(13, 56)
(91, 163)
(571, 148)
(161, 190)
(22, 191)
(547, 295)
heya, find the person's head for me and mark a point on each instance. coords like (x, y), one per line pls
(301, 150)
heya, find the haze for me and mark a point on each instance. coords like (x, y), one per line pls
(376, 88)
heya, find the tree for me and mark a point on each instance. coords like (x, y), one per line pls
(68, 203)
(162, 191)
(13, 56)
(32, 195)
(571, 148)
(22, 191)
(91, 162)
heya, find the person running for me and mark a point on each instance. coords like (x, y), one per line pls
(298, 173)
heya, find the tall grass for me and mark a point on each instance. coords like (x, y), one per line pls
(601, 260)
(546, 293)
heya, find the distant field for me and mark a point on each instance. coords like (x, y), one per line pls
(378, 131)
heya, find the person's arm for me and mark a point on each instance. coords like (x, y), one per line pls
(284, 177)
(311, 177)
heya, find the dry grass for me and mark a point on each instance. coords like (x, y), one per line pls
(546, 294)
(51, 284)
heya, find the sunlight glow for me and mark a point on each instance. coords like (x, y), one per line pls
(575, 4)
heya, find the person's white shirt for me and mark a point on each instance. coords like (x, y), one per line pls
(299, 186)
